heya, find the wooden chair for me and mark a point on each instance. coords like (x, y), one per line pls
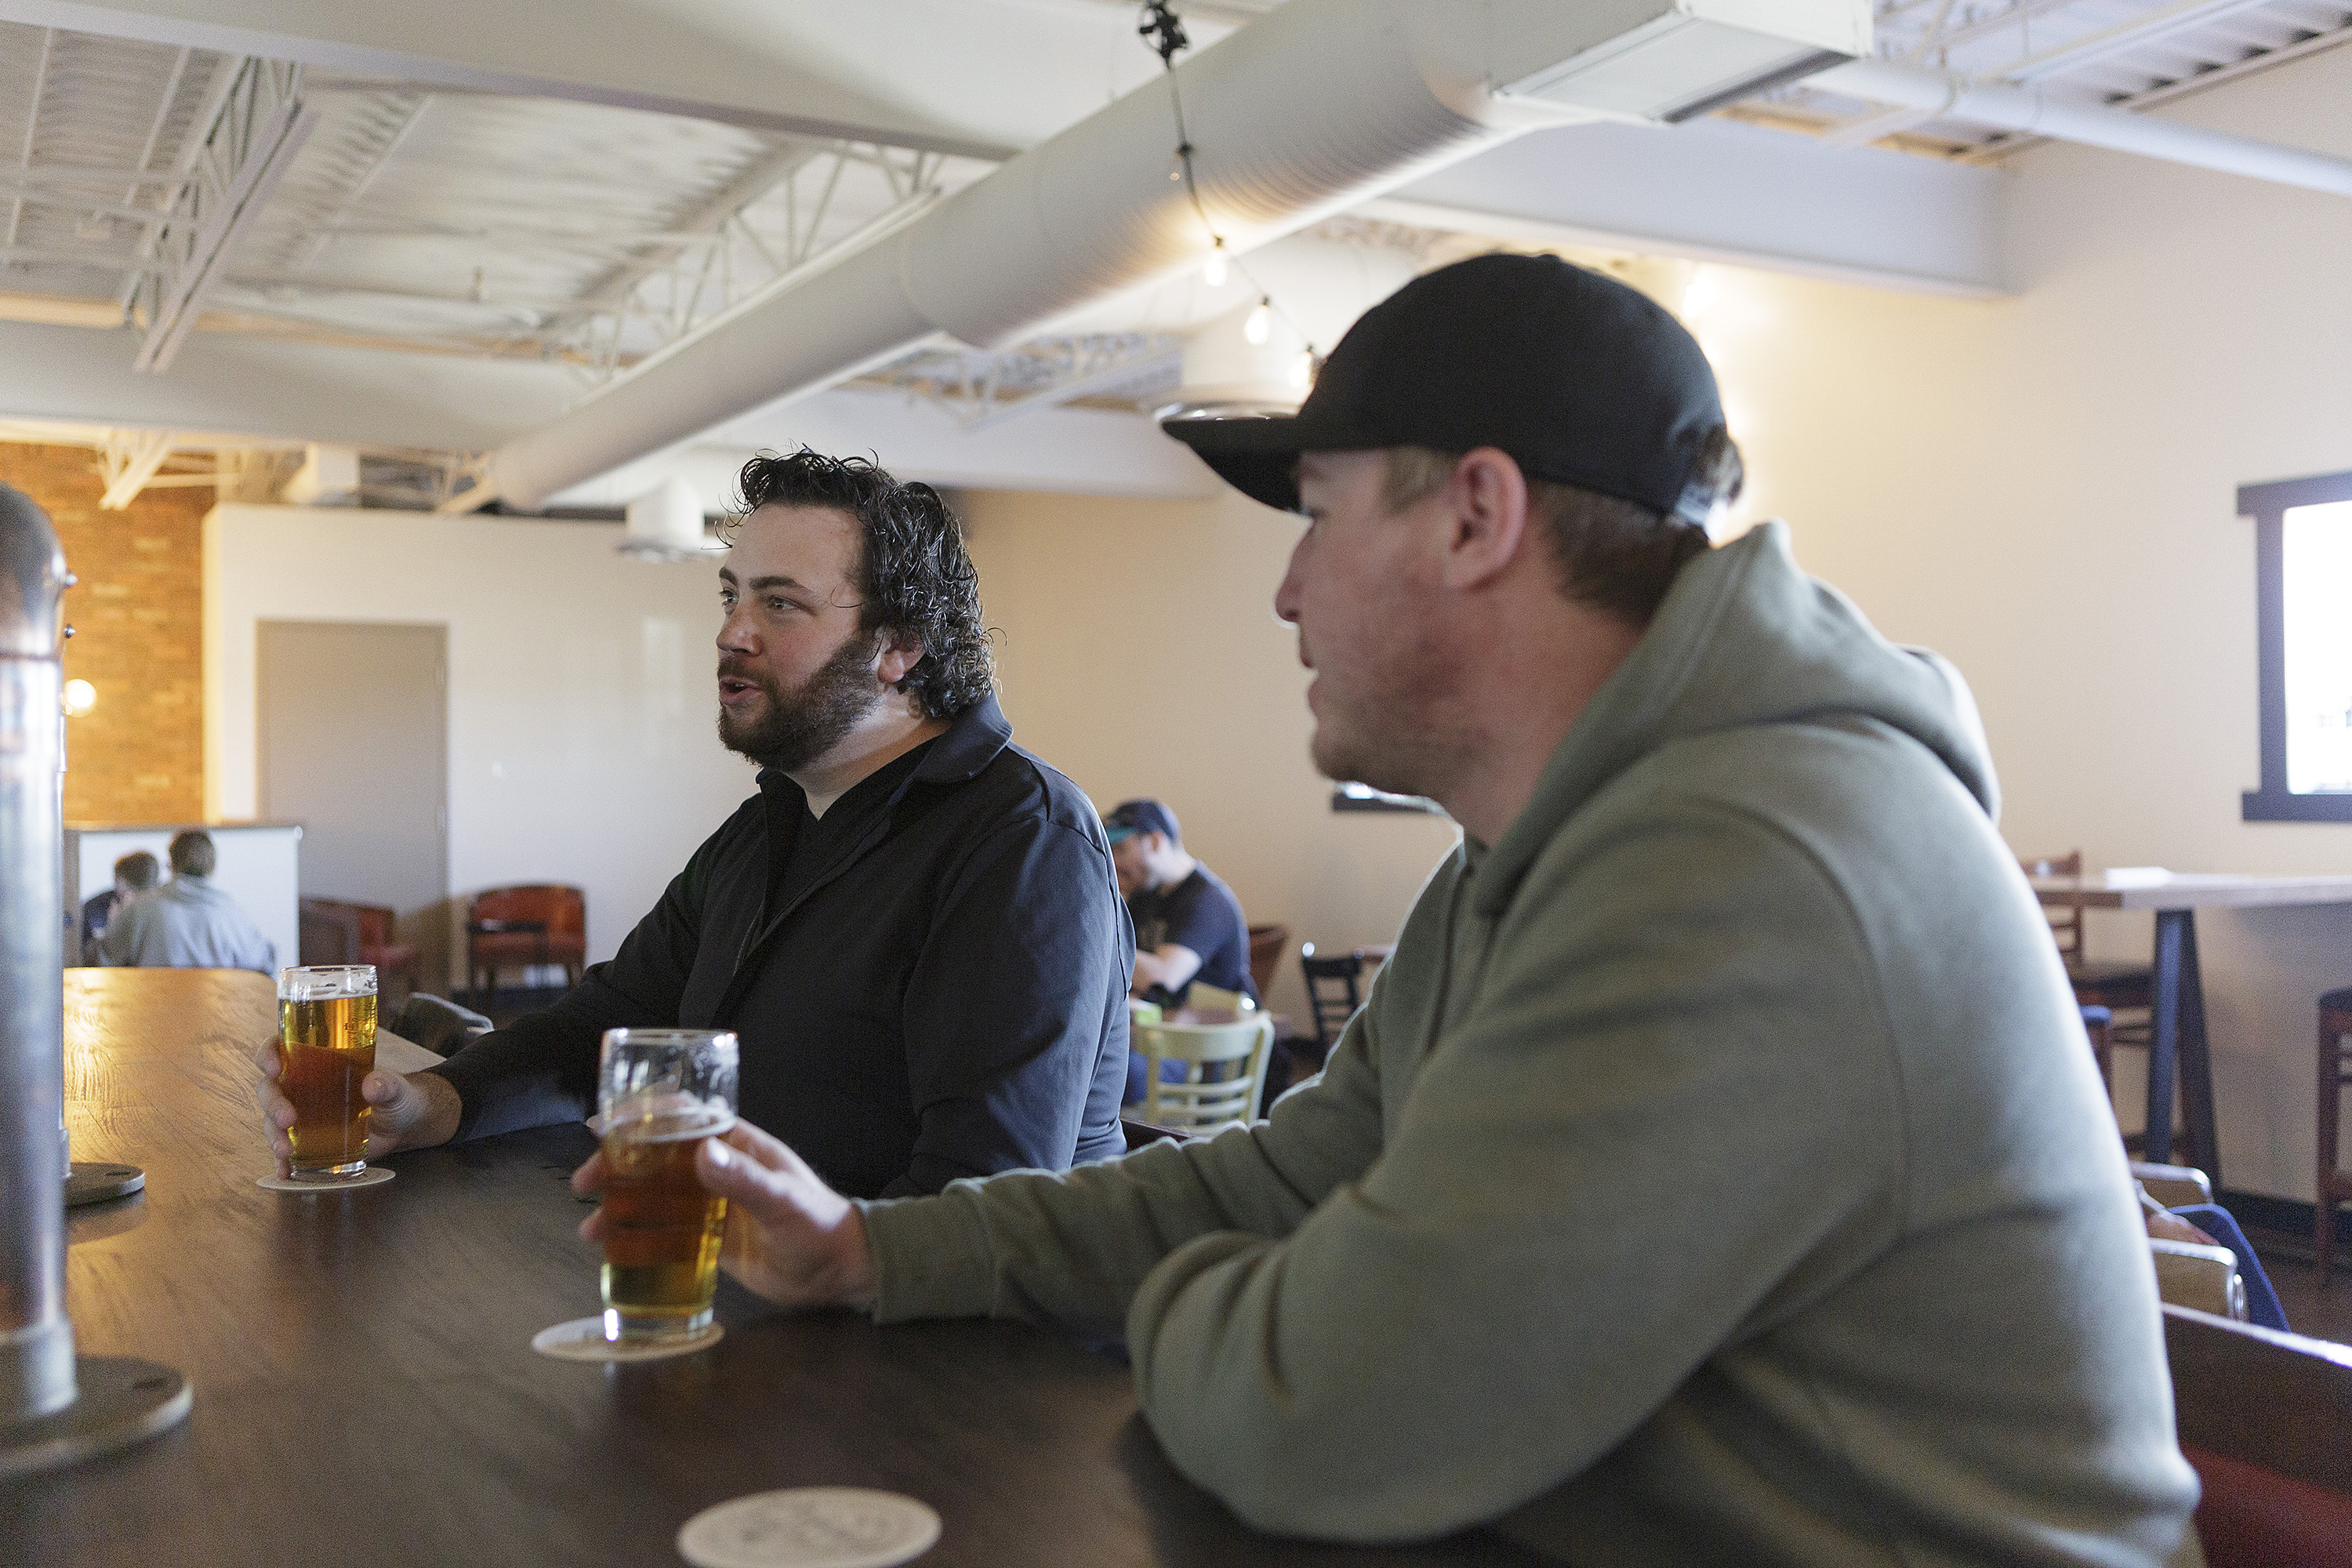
(2118, 986)
(1266, 944)
(541, 923)
(2266, 1418)
(1225, 1069)
(1208, 998)
(2335, 1071)
(336, 930)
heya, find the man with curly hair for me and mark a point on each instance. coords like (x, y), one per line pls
(915, 926)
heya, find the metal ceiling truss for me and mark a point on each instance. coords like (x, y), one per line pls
(244, 149)
(982, 389)
(1950, 34)
(756, 235)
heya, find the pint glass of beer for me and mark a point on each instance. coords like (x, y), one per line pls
(326, 1032)
(659, 1093)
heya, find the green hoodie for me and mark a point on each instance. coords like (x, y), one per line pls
(1717, 1172)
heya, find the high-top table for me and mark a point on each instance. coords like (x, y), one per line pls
(2177, 1035)
(365, 1388)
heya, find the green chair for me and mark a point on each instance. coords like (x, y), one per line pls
(1224, 1072)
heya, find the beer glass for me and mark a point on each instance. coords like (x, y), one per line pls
(659, 1093)
(326, 1032)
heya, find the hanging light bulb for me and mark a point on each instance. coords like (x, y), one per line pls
(1212, 272)
(1302, 370)
(80, 697)
(1257, 327)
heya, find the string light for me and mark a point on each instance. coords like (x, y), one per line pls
(80, 697)
(1213, 272)
(1257, 327)
(1302, 370)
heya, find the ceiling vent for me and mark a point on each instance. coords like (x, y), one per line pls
(1671, 59)
(666, 524)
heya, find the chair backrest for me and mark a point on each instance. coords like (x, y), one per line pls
(2066, 918)
(1267, 945)
(2266, 1417)
(1332, 993)
(558, 908)
(1224, 1069)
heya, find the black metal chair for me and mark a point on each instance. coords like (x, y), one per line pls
(1333, 993)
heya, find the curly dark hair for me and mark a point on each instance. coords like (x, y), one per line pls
(914, 574)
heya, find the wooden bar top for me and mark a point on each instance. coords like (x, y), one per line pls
(2196, 890)
(365, 1388)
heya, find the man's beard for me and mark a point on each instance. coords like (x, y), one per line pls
(797, 729)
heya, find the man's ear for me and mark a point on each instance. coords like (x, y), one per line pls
(899, 655)
(1486, 517)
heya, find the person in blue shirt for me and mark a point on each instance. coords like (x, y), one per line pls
(187, 923)
(1188, 924)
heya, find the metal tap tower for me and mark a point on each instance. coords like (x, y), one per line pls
(55, 1408)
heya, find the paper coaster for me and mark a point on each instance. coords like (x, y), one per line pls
(583, 1339)
(366, 1178)
(810, 1527)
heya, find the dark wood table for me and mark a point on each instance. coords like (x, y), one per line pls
(365, 1389)
(2177, 1042)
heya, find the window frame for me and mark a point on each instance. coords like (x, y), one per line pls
(2268, 505)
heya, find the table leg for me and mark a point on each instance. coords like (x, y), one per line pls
(2164, 1036)
(2195, 1060)
(2177, 1042)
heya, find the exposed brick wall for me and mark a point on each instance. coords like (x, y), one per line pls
(139, 755)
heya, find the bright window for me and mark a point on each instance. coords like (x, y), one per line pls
(2302, 596)
(2316, 583)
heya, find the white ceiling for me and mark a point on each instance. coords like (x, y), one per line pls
(491, 216)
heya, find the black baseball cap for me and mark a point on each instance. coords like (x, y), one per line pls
(1581, 379)
(1129, 817)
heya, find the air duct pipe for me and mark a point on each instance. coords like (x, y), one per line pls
(53, 1408)
(1321, 105)
(2029, 110)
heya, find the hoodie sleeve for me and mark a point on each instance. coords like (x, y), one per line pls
(1601, 1171)
(1074, 1247)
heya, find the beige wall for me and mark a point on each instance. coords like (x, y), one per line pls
(2042, 487)
(581, 748)
(1140, 655)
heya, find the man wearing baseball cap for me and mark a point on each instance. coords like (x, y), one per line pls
(1717, 1172)
(1188, 924)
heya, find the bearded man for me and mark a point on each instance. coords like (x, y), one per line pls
(914, 926)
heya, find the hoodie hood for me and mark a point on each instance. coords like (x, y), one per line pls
(1744, 638)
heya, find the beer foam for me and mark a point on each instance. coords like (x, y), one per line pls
(676, 1116)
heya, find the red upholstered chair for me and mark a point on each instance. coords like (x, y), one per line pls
(511, 927)
(2266, 1418)
(336, 930)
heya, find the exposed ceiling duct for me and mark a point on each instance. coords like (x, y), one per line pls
(2029, 111)
(1400, 89)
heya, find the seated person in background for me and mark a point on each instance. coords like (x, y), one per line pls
(187, 923)
(913, 927)
(133, 874)
(1717, 1172)
(1188, 924)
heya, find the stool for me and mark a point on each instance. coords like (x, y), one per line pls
(2334, 1187)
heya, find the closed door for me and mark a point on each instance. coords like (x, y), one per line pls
(354, 746)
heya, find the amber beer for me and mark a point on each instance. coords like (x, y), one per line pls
(659, 1093)
(326, 1033)
(661, 1229)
